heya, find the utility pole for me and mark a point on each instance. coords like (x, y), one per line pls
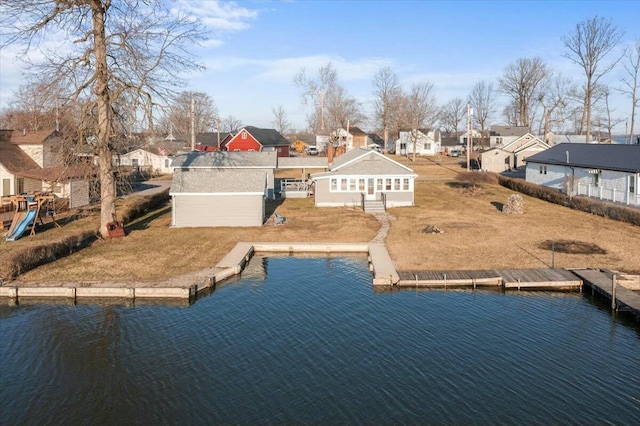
(193, 124)
(469, 143)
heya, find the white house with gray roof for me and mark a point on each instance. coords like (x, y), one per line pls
(609, 172)
(360, 176)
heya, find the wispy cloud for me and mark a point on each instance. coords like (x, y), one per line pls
(217, 16)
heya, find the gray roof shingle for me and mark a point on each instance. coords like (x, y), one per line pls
(207, 181)
(625, 158)
(226, 160)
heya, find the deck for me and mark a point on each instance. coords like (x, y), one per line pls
(559, 279)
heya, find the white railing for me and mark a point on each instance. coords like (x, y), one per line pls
(608, 194)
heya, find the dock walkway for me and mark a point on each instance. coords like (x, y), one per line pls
(507, 278)
(601, 282)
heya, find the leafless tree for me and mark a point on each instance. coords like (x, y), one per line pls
(554, 97)
(343, 110)
(280, 121)
(230, 124)
(452, 114)
(606, 120)
(588, 45)
(483, 101)
(631, 83)
(420, 110)
(125, 53)
(388, 93)
(178, 118)
(521, 81)
(316, 91)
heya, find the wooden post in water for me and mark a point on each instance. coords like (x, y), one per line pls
(613, 292)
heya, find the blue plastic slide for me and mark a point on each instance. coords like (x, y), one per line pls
(22, 226)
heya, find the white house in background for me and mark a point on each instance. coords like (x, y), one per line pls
(504, 135)
(502, 158)
(475, 137)
(606, 171)
(427, 142)
(151, 159)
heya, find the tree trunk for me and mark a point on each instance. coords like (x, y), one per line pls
(105, 117)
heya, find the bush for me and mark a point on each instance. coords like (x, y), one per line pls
(585, 204)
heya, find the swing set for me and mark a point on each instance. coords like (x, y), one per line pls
(28, 210)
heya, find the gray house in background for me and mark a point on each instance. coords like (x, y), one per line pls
(204, 197)
(364, 175)
(609, 172)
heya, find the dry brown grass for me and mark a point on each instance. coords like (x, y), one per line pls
(477, 235)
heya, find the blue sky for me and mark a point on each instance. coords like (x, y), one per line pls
(256, 47)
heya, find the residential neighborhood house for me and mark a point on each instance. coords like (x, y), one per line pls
(33, 161)
(606, 171)
(512, 155)
(360, 176)
(427, 142)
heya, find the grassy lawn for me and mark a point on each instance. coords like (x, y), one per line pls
(477, 235)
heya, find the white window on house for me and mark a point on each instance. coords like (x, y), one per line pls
(632, 184)
(343, 184)
(405, 184)
(244, 135)
(396, 184)
(334, 184)
(361, 185)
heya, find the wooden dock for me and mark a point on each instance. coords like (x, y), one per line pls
(601, 282)
(557, 279)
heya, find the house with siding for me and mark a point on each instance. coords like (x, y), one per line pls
(360, 176)
(254, 139)
(512, 155)
(212, 197)
(608, 172)
(427, 142)
(33, 161)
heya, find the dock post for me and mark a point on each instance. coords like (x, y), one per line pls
(613, 292)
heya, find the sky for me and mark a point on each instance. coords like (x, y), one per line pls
(255, 48)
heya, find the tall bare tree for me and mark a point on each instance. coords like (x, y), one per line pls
(521, 81)
(388, 93)
(420, 110)
(316, 91)
(125, 53)
(452, 114)
(588, 45)
(631, 83)
(178, 118)
(343, 110)
(483, 101)
(280, 121)
(230, 124)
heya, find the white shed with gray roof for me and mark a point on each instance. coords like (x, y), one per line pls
(206, 197)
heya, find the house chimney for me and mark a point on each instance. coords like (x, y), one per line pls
(330, 153)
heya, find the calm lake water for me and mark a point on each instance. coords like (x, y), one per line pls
(308, 340)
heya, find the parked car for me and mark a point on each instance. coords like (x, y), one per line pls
(312, 150)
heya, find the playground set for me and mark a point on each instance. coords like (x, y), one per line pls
(28, 209)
